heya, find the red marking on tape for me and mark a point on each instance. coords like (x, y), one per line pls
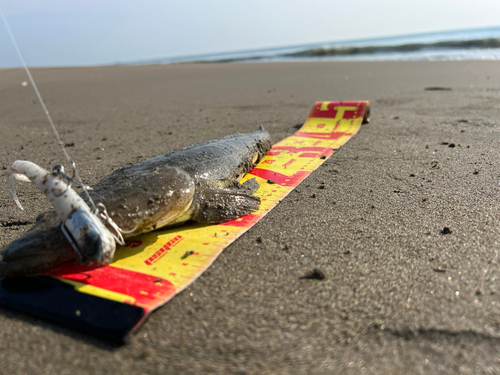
(132, 243)
(119, 280)
(303, 149)
(289, 162)
(163, 250)
(309, 155)
(280, 178)
(273, 153)
(331, 110)
(333, 136)
(244, 221)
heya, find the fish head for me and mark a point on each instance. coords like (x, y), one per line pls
(147, 200)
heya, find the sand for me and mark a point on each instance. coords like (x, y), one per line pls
(401, 294)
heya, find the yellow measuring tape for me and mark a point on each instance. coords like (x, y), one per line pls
(153, 267)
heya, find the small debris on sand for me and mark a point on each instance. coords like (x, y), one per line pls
(446, 230)
(437, 88)
(272, 182)
(15, 223)
(315, 274)
(187, 253)
(439, 269)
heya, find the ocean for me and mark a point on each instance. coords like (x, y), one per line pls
(471, 44)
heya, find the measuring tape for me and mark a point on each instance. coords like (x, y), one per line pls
(152, 268)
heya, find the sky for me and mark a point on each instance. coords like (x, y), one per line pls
(96, 32)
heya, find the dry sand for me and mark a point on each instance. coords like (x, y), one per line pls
(398, 295)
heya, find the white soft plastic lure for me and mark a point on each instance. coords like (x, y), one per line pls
(84, 230)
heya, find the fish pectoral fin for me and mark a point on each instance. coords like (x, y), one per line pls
(216, 205)
(250, 186)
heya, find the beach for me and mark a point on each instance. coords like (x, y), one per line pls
(403, 220)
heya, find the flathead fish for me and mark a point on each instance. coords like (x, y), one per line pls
(198, 183)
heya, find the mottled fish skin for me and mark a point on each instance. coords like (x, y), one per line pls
(198, 182)
(222, 160)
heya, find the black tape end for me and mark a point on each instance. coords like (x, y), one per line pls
(52, 299)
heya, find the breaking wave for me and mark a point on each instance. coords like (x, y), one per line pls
(400, 48)
(467, 44)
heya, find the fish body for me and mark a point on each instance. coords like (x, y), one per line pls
(198, 183)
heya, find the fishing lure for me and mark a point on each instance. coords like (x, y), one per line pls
(84, 229)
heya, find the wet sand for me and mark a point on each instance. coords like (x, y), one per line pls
(401, 293)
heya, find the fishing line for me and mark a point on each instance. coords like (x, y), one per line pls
(47, 114)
